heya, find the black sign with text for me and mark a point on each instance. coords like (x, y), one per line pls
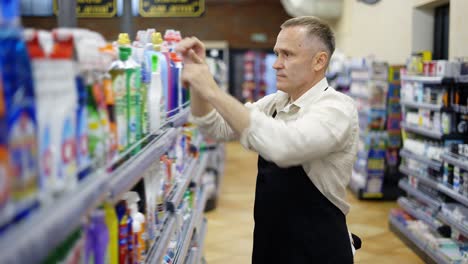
(172, 8)
(93, 8)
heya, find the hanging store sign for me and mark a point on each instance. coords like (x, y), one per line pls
(172, 8)
(93, 8)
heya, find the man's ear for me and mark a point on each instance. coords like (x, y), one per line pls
(320, 60)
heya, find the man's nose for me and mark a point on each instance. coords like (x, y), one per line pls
(278, 64)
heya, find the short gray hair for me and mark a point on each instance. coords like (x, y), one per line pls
(315, 28)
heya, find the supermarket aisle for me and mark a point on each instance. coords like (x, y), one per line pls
(229, 238)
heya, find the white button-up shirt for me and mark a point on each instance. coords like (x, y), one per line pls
(319, 131)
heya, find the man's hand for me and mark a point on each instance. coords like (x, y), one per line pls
(193, 44)
(196, 73)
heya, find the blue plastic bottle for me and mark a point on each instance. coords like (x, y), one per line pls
(21, 112)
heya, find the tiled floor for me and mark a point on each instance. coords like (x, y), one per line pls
(229, 237)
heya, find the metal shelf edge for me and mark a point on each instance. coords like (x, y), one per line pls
(460, 198)
(449, 221)
(421, 131)
(201, 240)
(181, 187)
(160, 246)
(436, 256)
(133, 169)
(420, 177)
(63, 216)
(418, 194)
(404, 203)
(201, 168)
(432, 163)
(424, 79)
(421, 105)
(454, 161)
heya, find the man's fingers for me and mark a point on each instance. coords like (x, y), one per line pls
(193, 56)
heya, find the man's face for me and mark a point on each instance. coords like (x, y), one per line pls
(294, 63)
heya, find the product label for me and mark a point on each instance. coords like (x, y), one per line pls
(68, 166)
(83, 158)
(123, 241)
(121, 111)
(110, 104)
(134, 105)
(23, 154)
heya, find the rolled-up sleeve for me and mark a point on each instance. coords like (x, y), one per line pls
(317, 133)
(214, 126)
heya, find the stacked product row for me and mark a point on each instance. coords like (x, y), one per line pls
(377, 100)
(72, 103)
(83, 122)
(434, 216)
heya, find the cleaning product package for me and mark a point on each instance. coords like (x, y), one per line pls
(6, 211)
(119, 89)
(112, 224)
(20, 116)
(60, 86)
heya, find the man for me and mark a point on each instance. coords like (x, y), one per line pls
(306, 136)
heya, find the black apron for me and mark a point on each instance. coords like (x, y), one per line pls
(294, 222)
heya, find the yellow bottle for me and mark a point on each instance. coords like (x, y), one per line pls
(112, 253)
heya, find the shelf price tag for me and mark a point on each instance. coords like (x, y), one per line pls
(92, 8)
(172, 8)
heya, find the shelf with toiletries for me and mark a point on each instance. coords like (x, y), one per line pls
(415, 239)
(420, 212)
(434, 138)
(97, 159)
(421, 196)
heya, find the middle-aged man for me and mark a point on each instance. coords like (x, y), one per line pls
(306, 136)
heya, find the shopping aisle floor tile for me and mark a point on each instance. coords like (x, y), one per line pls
(230, 226)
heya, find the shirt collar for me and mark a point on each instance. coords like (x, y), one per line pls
(282, 98)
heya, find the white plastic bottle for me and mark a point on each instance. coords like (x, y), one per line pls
(154, 96)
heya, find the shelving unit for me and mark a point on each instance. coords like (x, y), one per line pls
(374, 177)
(427, 254)
(417, 105)
(430, 162)
(418, 194)
(57, 220)
(419, 167)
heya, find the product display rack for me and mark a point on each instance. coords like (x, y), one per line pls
(375, 89)
(65, 214)
(419, 246)
(430, 169)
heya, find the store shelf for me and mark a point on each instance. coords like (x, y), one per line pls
(193, 253)
(426, 180)
(422, 131)
(437, 165)
(429, 255)
(180, 118)
(127, 175)
(418, 194)
(406, 205)
(195, 220)
(463, 229)
(161, 244)
(181, 186)
(462, 79)
(51, 225)
(436, 185)
(427, 79)
(431, 107)
(448, 191)
(201, 240)
(201, 168)
(456, 160)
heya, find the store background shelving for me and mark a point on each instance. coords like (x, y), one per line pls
(436, 195)
(375, 87)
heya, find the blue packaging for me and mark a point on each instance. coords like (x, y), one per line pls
(83, 159)
(21, 119)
